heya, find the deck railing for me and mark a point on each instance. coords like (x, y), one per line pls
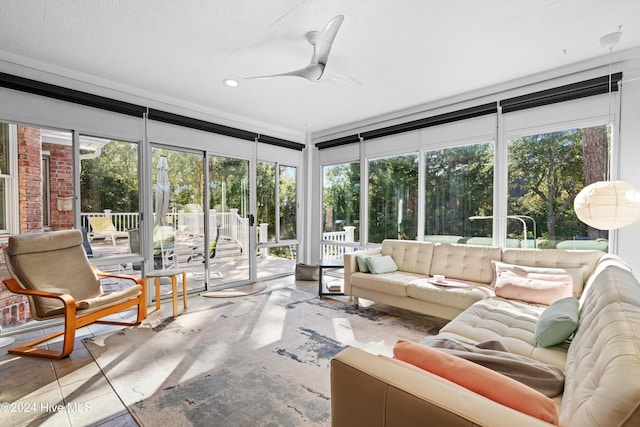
(336, 243)
(232, 226)
(123, 221)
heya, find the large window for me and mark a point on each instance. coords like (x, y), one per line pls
(288, 202)
(459, 194)
(277, 211)
(109, 188)
(546, 172)
(280, 209)
(393, 198)
(266, 201)
(340, 207)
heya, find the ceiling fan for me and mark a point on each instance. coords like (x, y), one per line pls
(321, 42)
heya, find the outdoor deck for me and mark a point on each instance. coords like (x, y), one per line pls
(224, 270)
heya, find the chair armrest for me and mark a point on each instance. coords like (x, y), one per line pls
(100, 273)
(13, 285)
(141, 282)
(68, 301)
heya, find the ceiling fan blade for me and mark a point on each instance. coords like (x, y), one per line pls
(325, 40)
(322, 42)
(330, 77)
(311, 72)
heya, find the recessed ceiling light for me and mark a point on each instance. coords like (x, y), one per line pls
(230, 82)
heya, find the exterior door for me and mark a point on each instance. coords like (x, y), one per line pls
(230, 222)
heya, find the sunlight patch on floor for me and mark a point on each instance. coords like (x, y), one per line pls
(269, 326)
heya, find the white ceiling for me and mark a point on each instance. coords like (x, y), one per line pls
(404, 53)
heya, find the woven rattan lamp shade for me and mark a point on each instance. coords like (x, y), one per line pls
(608, 205)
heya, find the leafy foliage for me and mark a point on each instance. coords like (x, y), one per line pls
(393, 198)
(341, 196)
(459, 184)
(110, 181)
(545, 175)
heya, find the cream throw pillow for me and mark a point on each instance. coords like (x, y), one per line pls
(576, 273)
(533, 287)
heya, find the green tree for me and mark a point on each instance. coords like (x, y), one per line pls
(288, 203)
(341, 197)
(229, 184)
(266, 196)
(186, 177)
(393, 198)
(545, 175)
(459, 184)
(110, 181)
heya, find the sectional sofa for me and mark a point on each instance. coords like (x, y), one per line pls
(469, 266)
(599, 357)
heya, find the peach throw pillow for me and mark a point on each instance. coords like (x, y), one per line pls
(533, 287)
(480, 380)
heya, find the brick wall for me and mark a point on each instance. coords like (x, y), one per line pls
(15, 308)
(60, 184)
(29, 180)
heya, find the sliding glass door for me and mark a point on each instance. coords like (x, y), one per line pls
(178, 238)
(229, 221)
(277, 216)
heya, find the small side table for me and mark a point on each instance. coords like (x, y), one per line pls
(330, 264)
(173, 274)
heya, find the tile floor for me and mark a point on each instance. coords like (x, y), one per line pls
(73, 391)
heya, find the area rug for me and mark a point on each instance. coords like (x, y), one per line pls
(238, 291)
(258, 360)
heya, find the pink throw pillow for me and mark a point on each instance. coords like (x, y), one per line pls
(478, 379)
(534, 287)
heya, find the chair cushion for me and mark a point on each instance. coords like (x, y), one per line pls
(110, 298)
(54, 262)
(41, 242)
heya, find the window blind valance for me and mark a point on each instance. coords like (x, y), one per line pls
(48, 90)
(596, 86)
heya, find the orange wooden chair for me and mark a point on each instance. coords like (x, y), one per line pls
(53, 271)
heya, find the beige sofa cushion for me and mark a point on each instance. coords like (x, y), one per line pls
(511, 322)
(465, 262)
(410, 256)
(457, 297)
(389, 283)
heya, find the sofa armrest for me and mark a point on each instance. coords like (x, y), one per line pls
(351, 265)
(367, 390)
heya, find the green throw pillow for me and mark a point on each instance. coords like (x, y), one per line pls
(557, 322)
(362, 263)
(381, 264)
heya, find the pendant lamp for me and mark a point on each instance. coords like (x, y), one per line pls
(608, 205)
